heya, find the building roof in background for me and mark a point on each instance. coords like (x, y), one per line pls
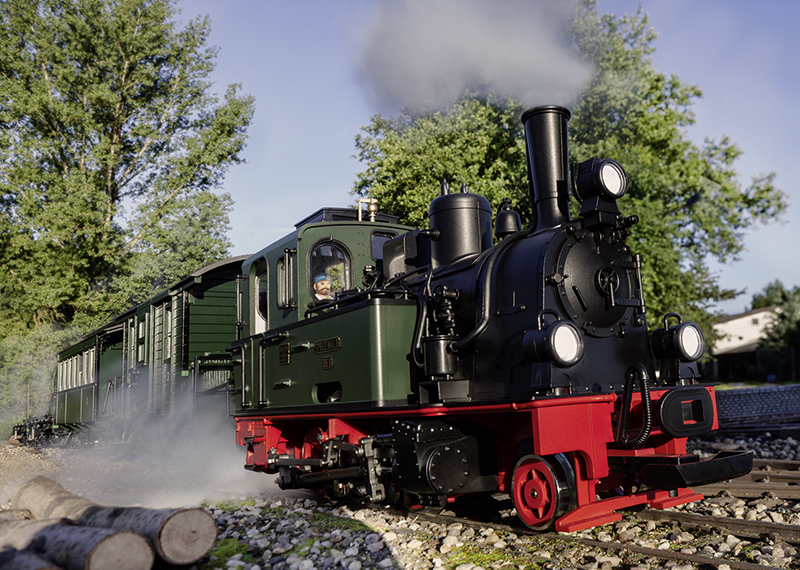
(743, 332)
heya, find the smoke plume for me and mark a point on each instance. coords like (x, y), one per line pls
(425, 53)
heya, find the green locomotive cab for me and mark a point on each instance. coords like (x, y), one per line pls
(316, 327)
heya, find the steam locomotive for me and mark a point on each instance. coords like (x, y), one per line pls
(417, 366)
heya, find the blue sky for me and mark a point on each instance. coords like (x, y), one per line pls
(298, 59)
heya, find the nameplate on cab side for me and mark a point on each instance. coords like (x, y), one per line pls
(327, 345)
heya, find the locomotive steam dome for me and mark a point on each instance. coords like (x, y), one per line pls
(464, 225)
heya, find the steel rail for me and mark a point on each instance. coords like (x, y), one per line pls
(662, 554)
(750, 530)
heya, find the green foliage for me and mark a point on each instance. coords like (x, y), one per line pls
(189, 236)
(689, 199)
(101, 102)
(27, 364)
(690, 202)
(105, 107)
(477, 141)
(783, 331)
(325, 522)
(773, 294)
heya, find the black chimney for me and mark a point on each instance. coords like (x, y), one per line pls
(548, 164)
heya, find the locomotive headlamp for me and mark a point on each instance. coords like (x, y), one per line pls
(603, 178)
(561, 343)
(684, 341)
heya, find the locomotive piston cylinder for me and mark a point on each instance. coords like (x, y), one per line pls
(548, 164)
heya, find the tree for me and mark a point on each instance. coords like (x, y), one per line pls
(688, 197)
(774, 293)
(103, 104)
(191, 234)
(27, 372)
(111, 146)
(478, 141)
(783, 331)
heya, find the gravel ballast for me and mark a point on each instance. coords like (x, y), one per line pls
(263, 528)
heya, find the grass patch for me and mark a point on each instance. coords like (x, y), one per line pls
(494, 558)
(224, 550)
(230, 505)
(325, 522)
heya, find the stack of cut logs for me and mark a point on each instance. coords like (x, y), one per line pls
(71, 533)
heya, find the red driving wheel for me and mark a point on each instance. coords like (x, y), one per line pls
(540, 490)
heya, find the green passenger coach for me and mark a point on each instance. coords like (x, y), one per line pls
(143, 375)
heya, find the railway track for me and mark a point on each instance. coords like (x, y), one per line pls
(749, 530)
(758, 426)
(780, 478)
(420, 540)
(655, 535)
(749, 535)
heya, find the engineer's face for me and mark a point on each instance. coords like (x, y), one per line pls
(323, 287)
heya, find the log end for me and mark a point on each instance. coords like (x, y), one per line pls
(187, 536)
(124, 550)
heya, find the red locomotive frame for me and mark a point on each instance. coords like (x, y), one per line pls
(589, 447)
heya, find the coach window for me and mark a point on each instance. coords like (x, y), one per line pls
(329, 270)
(89, 366)
(64, 375)
(260, 294)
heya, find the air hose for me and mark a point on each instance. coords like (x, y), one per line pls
(634, 372)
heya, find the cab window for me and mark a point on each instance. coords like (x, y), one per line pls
(328, 270)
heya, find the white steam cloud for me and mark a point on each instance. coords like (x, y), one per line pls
(180, 474)
(425, 53)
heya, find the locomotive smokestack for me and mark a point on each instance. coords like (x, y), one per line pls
(548, 164)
